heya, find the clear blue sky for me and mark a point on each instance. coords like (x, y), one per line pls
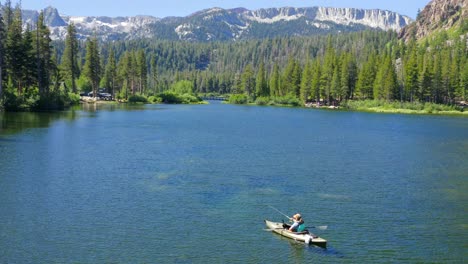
(159, 8)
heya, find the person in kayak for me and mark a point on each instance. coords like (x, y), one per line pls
(298, 223)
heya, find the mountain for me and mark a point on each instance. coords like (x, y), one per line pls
(438, 15)
(217, 24)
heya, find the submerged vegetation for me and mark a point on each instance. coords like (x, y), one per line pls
(355, 70)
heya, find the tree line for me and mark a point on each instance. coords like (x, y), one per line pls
(39, 72)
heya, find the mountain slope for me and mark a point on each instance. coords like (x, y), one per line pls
(436, 16)
(217, 24)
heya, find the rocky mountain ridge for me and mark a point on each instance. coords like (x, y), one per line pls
(437, 15)
(225, 24)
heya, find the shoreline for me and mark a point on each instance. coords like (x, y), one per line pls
(374, 109)
(405, 111)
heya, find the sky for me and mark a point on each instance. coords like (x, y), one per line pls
(165, 8)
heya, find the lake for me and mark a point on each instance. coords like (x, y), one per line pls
(193, 184)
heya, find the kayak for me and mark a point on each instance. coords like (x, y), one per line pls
(305, 236)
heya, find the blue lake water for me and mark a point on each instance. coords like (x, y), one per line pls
(192, 184)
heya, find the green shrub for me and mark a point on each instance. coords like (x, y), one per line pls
(238, 99)
(155, 99)
(288, 100)
(73, 98)
(170, 98)
(137, 99)
(189, 99)
(174, 98)
(262, 100)
(182, 87)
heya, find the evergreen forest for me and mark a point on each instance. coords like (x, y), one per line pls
(38, 73)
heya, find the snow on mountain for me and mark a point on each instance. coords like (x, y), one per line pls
(273, 15)
(224, 24)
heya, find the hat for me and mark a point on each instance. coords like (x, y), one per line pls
(297, 216)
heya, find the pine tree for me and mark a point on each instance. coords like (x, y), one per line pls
(454, 73)
(2, 52)
(288, 82)
(411, 74)
(328, 70)
(306, 82)
(345, 84)
(275, 81)
(296, 80)
(426, 78)
(248, 81)
(237, 87)
(15, 53)
(132, 71)
(30, 67)
(436, 87)
(141, 71)
(391, 82)
(464, 82)
(261, 86)
(378, 87)
(92, 67)
(335, 88)
(125, 72)
(348, 76)
(445, 89)
(55, 74)
(8, 14)
(154, 75)
(315, 81)
(385, 84)
(69, 65)
(366, 78)
(110, 74)
(43, 55)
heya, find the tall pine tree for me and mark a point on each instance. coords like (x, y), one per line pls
(275, 81)
(2, 52)
(306, 82)
(43, 55)
(15, 51)
(142, 71)
(261, 85)
(92, 67)
(110, 74)
(69, 65)
(248, 80)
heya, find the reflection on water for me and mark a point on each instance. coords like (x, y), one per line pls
(14, 122)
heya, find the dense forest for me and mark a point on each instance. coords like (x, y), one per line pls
(38, 73)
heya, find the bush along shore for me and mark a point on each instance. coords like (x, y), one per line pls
(163, 98)
(381, 106)
(377, 106)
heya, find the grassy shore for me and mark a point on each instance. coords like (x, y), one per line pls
(378, 106)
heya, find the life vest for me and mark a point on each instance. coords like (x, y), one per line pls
(301, 227)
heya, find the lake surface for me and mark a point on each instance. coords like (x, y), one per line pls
(192, 184)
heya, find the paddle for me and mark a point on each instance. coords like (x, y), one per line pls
(318, 227)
